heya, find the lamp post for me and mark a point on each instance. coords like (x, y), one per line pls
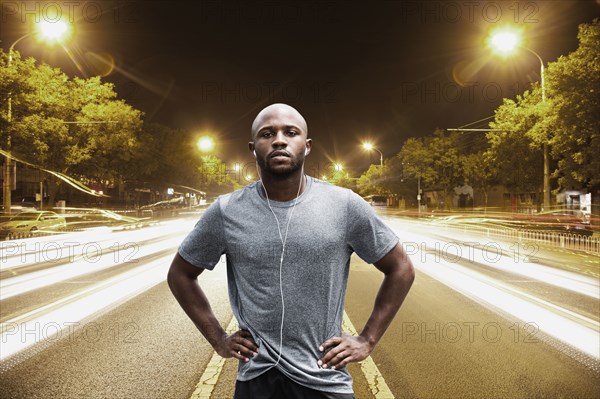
(51, 32)
(419, 194)
(418, 187)
(505, 42)
(370, 147)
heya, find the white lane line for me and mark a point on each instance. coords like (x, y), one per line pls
(209, 378)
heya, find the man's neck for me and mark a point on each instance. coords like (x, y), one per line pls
(284, 189)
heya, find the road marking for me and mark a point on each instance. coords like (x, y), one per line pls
(211, 374)
(377, 384)
(206, 385)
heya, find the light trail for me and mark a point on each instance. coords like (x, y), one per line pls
(492, 254)
(51, 320)
(63, 316)
(16, 254)
(28, 282)
(564, 325)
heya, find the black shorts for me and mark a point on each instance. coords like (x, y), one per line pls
(272, 384)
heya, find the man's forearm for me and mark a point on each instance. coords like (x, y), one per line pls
(393, 290)
(195, 304)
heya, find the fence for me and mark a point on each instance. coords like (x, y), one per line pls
(576, 242)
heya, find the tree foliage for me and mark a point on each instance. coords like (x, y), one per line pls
(573, 85)
(568, 121)
(373, 181)
(73, 126)
(514, 151)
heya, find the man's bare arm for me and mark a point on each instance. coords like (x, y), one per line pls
(183, 281)
(399, 276)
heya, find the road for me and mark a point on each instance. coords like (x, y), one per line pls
(89, 314)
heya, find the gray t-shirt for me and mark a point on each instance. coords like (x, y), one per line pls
(328, 224)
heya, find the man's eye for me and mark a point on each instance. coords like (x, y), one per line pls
(292, 132)
(267, 134)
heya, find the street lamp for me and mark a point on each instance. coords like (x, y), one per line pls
(370, 147)
(51, 33)
(205, 144)
(505, 42)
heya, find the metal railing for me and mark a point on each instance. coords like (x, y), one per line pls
(576, 242)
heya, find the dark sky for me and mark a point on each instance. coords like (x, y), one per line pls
(385, 70)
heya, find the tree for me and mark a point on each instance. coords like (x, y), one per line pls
(516, 156)
(568, 121)
(372, 181)
(479, 172)
(214, 177)
(417, 160)
(446, 163)
(338, 176)
(98, 147)
(572, 85)
(416, 164)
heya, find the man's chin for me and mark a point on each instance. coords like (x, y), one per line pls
(282, 169)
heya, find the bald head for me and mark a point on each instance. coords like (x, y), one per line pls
(281, 112)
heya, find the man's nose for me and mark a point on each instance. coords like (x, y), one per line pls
(279, 140)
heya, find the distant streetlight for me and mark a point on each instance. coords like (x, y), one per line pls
(505, 42)
(370, 147)
(51, 33)
(338, 167)
(205, 144)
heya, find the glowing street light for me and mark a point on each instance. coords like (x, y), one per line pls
(505, 42)
(370, 147)
(51, 33)
(205, 144)
(338, 167)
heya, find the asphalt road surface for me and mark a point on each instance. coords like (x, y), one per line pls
(90, 315)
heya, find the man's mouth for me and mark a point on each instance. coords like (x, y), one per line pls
(276, 154)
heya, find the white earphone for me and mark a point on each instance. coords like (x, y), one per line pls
(283, 238)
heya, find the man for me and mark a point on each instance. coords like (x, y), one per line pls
(288, 240)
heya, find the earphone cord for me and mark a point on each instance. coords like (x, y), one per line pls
(283, 241)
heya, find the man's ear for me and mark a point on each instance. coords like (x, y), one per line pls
(251, 146)
(308, 147)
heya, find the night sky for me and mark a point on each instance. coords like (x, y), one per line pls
(385, 70)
